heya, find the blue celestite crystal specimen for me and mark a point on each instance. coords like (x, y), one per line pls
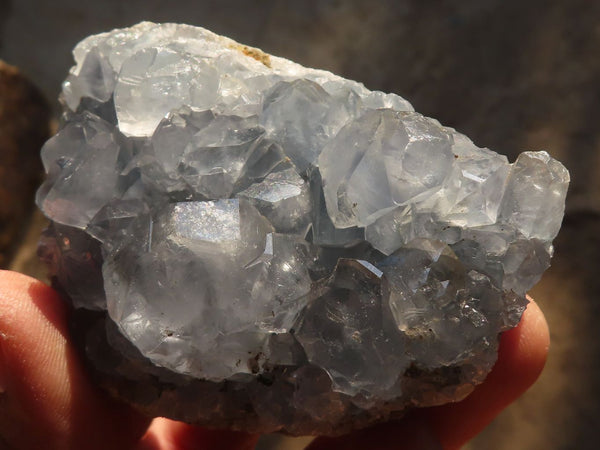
(262, 246)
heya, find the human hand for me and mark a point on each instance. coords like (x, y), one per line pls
(47, 400)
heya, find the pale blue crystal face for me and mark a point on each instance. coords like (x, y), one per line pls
(250, 206)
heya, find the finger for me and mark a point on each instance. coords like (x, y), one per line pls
(521, 358)
(47, 401)
(165, 434)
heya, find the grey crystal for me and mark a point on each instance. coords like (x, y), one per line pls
(252, 244)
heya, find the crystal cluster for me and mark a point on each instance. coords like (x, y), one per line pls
(253, 244)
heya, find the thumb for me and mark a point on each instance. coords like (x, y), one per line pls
(46, 399)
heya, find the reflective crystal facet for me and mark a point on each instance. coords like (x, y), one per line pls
(262, 246)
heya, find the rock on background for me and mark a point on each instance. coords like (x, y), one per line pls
(512, 75)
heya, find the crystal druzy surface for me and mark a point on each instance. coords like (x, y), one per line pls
(253, 244)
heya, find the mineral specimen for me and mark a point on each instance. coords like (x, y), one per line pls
(252, 244)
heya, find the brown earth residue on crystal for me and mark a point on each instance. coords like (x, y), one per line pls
(255, 53)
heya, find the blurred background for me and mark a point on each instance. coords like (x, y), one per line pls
(512, 75)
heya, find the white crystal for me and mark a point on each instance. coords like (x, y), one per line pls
(82, 164)
(212, 222)
(408, 154)
(534, 198)
(284, 199)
